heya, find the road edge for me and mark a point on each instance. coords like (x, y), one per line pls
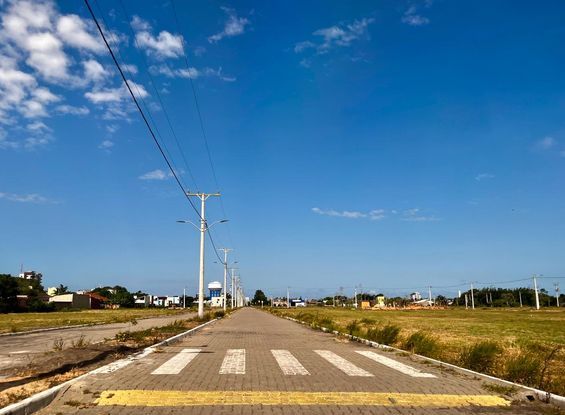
(542, 396)
(42, 399)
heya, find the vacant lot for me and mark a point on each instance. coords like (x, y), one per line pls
(522, 345)
(15, 322)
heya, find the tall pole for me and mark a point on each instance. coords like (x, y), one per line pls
(287, 297)
(520, 295)
(430, 294)
(184, 297)
(472, 297)
(556, 285)
(355, 302)
(203, 228)
(226, 250)
(536, 292)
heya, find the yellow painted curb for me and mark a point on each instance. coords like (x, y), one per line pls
(220, 398)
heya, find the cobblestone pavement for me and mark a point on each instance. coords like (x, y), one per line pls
(255, 363)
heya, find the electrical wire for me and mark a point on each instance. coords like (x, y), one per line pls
(200, 118)
(147, 124)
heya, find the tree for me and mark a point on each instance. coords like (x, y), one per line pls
(260, 296)
(9, 289)
(61, 289)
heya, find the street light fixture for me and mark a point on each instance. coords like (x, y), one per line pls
(203, 228)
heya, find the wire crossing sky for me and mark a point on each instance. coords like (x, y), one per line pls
(399, 144)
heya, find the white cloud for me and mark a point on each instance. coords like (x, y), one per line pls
(376, 214)
(93, 70)
(155, 175)
(25, 198)
(234, 26)
(414, 215)
(337, 36)
(109, 95)
(37, 126)
(484, 176)
(412, 18)
(43, 95)
(69, 109)
(546, 143)
(106, 145)
(74, 31)
(191, 72)
(165, 45)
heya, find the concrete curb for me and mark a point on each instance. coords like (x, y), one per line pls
(543, 396)
(42, 399)
(76, 326)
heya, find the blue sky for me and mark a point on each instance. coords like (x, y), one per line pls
(391, 144)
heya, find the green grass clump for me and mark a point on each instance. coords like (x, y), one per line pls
(386, 335)
(423, 344)
(524, 368)
(481, 357)
(353, 328)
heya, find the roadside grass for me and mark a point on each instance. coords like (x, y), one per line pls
(16, 322)
(520, 345)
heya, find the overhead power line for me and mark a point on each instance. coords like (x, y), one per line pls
(145, 120)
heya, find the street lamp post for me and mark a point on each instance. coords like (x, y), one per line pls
(203, 228)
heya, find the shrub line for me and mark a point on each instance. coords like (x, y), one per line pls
(543, 396)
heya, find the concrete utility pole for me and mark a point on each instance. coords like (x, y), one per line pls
(556, 285)
(472, 297)
(287, 297)
(203, 228)
(536, 291)
(520, 295)
(355, 302)
(430, 293)
(184, 297)
(225, 250)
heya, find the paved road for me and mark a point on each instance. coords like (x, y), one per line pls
(16, 350)
(256, 363)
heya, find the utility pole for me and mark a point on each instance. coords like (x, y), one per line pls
(520, 295)
(355, 302)
(472, 297)
(466, 301)
(536, 291)
(203, 229)
(225, 250)
(556, 285)
(430, 294)
(287, 297)
(184, 297)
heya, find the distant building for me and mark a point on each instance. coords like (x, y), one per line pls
(142, 300)
(51, 291)
(173, 301)
(416, 296)
(31, 275)
(380, 301)
(215, 289)
(297, 302)
(97, 301)
(71, 300)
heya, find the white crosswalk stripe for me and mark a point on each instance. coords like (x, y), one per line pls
(177, 363)
(288, 363)
(393, 364)
(234, 362)
(345, 366)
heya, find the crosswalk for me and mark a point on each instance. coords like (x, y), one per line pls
(234, 363)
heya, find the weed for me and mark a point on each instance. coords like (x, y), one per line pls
(388, 334)
(58, 344)
(73, 403)
(327, 323)
(524, 368)
(80, 343)
(353, 328)
(134, 322)
(481, 357)
(423, 344)
(367, 321)
(219, 314)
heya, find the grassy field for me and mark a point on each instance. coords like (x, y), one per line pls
(15, 322)
(522, 345)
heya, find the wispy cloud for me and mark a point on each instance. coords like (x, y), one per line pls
(164, 45)
(415, 215)
(546, 143)
(157, 174)
(337, 36)
(376, 214)
(191, 72)
(411, 17)
(484, 176)
(34, 198)
(234, 26)
(106, 145)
